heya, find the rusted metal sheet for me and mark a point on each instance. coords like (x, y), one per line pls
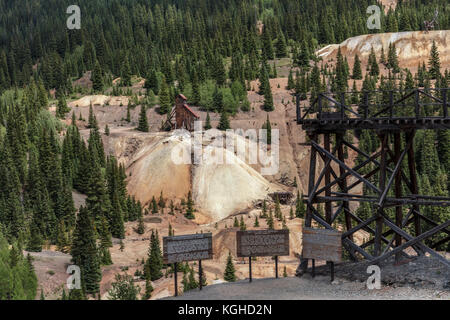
(322, 244)
(187, 248)
(260, 243)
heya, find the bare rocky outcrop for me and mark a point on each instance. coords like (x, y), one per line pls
(412, 47)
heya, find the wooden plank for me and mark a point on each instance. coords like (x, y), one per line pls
(187, 248)
(322, 244)
(262, 243)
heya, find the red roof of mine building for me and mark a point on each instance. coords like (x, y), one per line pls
(191, 111)
(182, 97)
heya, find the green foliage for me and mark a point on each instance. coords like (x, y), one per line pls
(300, 208)
(242, 225)
(357, 73)
(84, 252)
(270, 222)
(143, 122)
(256, 224)
(154, 263)
(189, 207)
(165, 100)
(123, 288)
(229, 274)
(434, 62)
(17, 277)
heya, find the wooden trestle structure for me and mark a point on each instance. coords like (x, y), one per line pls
(394, 117)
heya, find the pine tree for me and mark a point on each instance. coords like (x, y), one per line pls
(303, 58)
(434, 62)
(278, 213)
(236, 223)
(268, 127)
(148, 290)
(116, 221)
(281, 46)
(62, 109)
(264, 209)
(192, 282)
(291, 83)
(107, 130)
(97, 78)
(268, 100)
(161, 202)
(373, 64)
(242, 225)
(105, 243)
(208, 122)
(218, 104)
(154, 205)
(154, 263)
(62, 240)
(357, 73)
(125, 78)
(393, 59)
(270, 222)
(164, 98)
(224, 123)
(196, 96)
(143, 122)
(152, 83)
(36, 241)
(185, 282)
(190, 207)
(300, 209)
(92, 121)
(141, 227)
(268, 51)
(256, 224)
(229, 274)
(84, 252)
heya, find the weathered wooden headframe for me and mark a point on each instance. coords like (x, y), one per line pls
(183, 115)
(394, 117)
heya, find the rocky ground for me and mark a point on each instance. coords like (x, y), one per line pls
(306, 288)
(419, 272)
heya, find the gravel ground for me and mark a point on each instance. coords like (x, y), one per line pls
(421, 272)
(306, 288)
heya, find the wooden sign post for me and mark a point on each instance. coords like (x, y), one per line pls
(262, 243)
(322, 244)
(187, 248)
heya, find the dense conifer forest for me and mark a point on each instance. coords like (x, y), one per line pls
(208, 49)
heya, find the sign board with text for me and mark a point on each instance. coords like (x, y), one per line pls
(261, 243)
(322, 244)
(187, 248)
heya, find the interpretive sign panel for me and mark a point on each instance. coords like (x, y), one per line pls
(322, 244)
(187, 248)
(260, 243)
